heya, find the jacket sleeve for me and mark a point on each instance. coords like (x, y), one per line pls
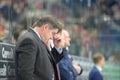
(81, 70)
(71, 68)
(65, 72)
(68, 63)
(26, 56)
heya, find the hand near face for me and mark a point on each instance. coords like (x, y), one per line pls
(58, 40)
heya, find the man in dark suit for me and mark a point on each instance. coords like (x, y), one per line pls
(68, 68)
(95, 73)
(34, 61)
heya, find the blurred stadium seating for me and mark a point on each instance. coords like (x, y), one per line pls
(94, 26)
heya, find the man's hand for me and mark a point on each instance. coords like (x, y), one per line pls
(76, 66)
(58, 40)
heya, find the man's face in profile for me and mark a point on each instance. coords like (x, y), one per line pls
(102, 61)
(49, 32)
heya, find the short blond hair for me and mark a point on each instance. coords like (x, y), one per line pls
(97, 57)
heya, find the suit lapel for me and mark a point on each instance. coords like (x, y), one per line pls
(49, 53)
(53, 62)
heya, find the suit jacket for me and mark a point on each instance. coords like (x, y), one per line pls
(67, 71)
(33, 59)
(95, 74)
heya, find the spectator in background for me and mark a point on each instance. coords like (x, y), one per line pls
(2, 33)
(10, 11)
(99, 61)
(69, 69)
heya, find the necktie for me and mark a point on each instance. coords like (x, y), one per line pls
(58, 71)
(52, 61)
(56, 74)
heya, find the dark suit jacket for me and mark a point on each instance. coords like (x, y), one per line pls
(33, 59)
(95, 74)
(67, 70)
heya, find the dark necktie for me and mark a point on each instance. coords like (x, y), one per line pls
(55, 66)
(58, 71)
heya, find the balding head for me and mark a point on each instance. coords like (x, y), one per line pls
(66, 37)
(65, 32)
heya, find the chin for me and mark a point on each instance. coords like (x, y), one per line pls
(68, 45)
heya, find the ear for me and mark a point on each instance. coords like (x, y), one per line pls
(46, 27)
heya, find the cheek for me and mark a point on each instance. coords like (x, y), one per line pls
(102, 62)
(47, 34)
(68, 40)
(50, 35)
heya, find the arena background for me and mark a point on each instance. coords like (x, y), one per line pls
(94, 26)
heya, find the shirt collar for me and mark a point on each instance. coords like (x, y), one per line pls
(99, 68)
(59, 50)
(37, 33)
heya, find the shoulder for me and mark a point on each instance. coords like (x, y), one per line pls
(94, 70)
(27, 38)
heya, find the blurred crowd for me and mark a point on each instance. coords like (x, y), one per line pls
(94, 25)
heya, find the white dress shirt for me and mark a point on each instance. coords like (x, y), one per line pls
(99, 68)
